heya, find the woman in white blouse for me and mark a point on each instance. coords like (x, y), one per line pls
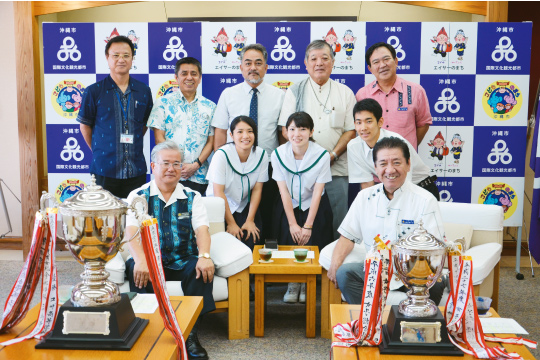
(236, 174)
(301, 169)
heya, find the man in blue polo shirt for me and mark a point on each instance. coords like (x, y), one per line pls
(183, 234)
(113, 118)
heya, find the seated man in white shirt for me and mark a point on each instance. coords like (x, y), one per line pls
(391, 210)
(368, 122)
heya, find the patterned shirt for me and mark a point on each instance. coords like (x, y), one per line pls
(405, 107)
(177, 219)
(104, 108)
(187, 124)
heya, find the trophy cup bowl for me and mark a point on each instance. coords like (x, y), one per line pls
(418, 261)
(93, 223)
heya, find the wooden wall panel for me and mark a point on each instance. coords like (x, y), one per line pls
(470, 7)
(26, 110)
(50, 7)
(497, 11)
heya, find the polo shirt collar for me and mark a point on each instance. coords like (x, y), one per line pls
(110, 84)
(247, 88)
(176, 195)
(398, 86)
(185, 100)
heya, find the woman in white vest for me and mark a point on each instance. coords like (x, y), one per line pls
(301, 169)
(236, 174)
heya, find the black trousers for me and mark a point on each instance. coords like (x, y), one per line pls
(269, 196)
(191, 286)
(432, 188)
(120, 187)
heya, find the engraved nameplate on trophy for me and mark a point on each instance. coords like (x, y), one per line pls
(420, 332)
(86, 322)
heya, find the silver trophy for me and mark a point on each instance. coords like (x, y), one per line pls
(93, 223)
(418, 262)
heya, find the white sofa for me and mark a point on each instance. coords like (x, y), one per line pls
(232, 259)
(480, 225)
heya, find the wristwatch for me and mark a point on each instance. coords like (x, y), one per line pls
(336, 158)
(205, 255)
(198, 161)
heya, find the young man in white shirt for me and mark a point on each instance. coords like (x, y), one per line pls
(368, 122)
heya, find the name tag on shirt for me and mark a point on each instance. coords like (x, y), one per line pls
(126, 139)
(402, 108)
(183, 216)
(407, 222)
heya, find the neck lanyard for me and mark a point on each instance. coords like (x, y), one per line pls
(298, 173)
(245, 174)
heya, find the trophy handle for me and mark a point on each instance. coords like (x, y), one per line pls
(45, 196)
(138, 213)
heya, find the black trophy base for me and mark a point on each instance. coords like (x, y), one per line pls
(392, 344)
(124, 329)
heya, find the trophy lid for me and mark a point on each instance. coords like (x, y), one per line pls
(93, 201)
(420, 239)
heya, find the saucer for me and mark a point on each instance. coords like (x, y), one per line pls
(266, 262)
(301, 262)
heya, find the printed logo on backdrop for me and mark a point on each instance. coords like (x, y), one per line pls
(453, 189)
(282, 84)
(69, 48)
(286, 45)
(68, 188)
(66, 98)
(214, 84)
(500, 194)
(451, 98)
(404, 38)
(67, 151)
(172, 42)
(502, 100)
(504, 48)
(354, 82)
(167, 87)
(346, 47)
(499, 152)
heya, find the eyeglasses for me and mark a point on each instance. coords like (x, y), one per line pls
(175, 165)
(123, 56)
(386, 60)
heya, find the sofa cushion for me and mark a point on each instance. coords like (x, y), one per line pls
(455, 231)
(220, 291)
(484, 258)
(116, 268)
(357, 255)
(229, 254)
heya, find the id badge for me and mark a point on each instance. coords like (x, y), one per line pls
(126, 139)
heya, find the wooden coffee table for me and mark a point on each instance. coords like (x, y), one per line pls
(155, 342)
(285, 271)
(340, 314)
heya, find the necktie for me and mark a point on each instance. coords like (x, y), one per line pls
(254, 107)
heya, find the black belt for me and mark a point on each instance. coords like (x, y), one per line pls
(427, 181)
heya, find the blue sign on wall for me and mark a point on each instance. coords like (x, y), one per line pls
(69, 48)
(172, 42)
(67, 152)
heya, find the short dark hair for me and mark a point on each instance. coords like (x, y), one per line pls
(301, 119)
(258, 47)
(119, 39)
(391, 142)
(374, 47)
(250, 122)
(370, 105)
(187, 60)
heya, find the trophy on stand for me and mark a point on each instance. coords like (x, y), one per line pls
(97, 316)
(416, 326)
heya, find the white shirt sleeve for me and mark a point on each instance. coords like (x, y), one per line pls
(359, 172)
(220, 119)
(349, 116)
(288, 108)
(156, 120)
(263, 173)
(199, 216)
(432, 219)
(277, 170)
(350, 227)
(217, 170)
(325, 175)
